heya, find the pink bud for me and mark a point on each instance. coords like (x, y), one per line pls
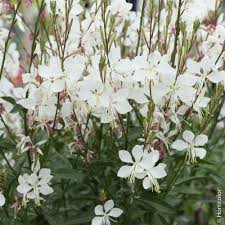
(90, 156)
(161, 150)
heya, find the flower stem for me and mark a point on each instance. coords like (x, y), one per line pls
(8, 38)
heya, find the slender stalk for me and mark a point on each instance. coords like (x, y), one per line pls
(8, 130)
(35, 33)
(8, 163)
(176, 175)
(127, 130)
(9, 37)
(140, 26)
(173, 57)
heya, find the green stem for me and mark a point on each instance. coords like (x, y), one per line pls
(8, 163)
(8, 129)
(173, 180)
(127, 130)
(8, 38)
(140, 26)
(35, 33)
(173, 57)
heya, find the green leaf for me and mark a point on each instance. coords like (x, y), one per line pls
(81, 218)
(68, 174)
(157, 204)
(187, 180)
(9, 99)
(18, 109)
(186, 190)
(159, 220)
(219, 180)
(7, 144)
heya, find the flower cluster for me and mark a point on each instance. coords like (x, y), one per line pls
(31, 186)
(143, 167)
(96, 64)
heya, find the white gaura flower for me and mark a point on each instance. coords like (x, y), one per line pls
(2, 200)
(143, 167)
(172, 87)
(153, 172)
(206, 69)
(40, 103)
(200, 104)
(192, 144)
(105, 213)
(120, 8)
(60, 8)
(36, 184)
(146, 70)
(59, 79)
(134, 170)
(113, 103)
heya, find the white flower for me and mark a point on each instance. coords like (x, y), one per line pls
(35, 184)
(153, 172)
(206, 69)
(192, 144)
(104, 214)
(200, 104)
(143, 167)
(2, 200)
(173, 87)
(146, 70)
(134, 170)
(120, 8)
(57, 78)
(113, 103)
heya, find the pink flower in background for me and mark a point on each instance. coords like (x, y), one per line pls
(28, 3)
(5, 6)
(90, 156)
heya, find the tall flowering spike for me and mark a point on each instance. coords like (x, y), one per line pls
(105, 214)
(192, 144)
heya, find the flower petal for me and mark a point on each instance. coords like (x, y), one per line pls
(97, 220)
(125, 156)
(46, 190)
(58, 85)
(192, 66)
(188, 136)
(123, 107)
(179, 145)
(200, 152)
(124, 171)
(201, 140)
(187, 79)
(99, 210)
(159, 171)
(149, 160)
(2, 200)
(115, 212)
(217, 77)
(108, 205)
(33, 179)
(137, 152)
(23, 188)
(146, 183)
